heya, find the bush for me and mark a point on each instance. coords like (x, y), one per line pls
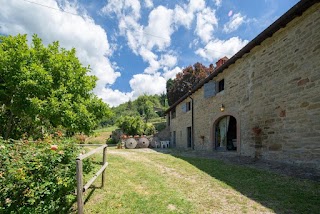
(160, 126)
(135, 126)
(112, 141)
(37, 177)
(149, 129)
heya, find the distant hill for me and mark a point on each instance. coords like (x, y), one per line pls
(148, 107)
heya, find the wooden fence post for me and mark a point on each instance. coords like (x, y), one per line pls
(79, 186)
(82, 189)
(104, 161)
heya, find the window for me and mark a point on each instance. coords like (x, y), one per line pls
(188, 106)
(221, 85)
(173, 113)
(210, 89)
(185, 107)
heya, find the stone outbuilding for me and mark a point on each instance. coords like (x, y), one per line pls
(263, 102)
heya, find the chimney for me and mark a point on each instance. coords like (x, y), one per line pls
(221, 62)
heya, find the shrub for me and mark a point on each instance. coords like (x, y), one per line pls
(135, 126)
(80, 138)
(149, 129)
(112, 141)
(37, 177)
(160, 126)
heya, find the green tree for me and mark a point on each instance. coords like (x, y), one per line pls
(163, 99)
(186, 80)
(145, 106)
(129, 105)
(43, 88)
(134, 125)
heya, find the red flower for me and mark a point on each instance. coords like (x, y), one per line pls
(54, 147)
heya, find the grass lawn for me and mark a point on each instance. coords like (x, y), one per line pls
(101, 135)
(106, 129)
(146, 181)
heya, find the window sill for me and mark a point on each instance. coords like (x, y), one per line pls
(220, 93)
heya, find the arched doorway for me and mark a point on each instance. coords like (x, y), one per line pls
(225, 134)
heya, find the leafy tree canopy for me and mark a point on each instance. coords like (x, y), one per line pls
(135, 125)
(42, 88)
(186, 80)
(145, 106)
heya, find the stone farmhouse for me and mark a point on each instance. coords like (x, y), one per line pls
(263, 102)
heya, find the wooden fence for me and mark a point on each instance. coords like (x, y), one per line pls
(82, 188)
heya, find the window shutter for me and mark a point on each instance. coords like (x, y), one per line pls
(183, 107)
(209, 89)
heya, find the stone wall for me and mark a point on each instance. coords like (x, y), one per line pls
(275, 87)
(179, 125)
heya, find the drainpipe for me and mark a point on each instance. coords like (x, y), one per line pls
(192, 124)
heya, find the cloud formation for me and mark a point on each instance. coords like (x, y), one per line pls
(234, 23)
(206, 22)
(217, 48)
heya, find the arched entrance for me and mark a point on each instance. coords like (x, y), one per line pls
(225, 134)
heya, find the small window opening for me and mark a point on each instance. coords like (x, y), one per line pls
(188, 106)
(221, 85)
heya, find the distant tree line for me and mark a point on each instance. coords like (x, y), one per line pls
(145, 107)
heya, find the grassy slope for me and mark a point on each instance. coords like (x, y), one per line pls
(101, 135)
(143, 181)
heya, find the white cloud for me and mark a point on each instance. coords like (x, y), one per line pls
(168, 60)
(165, 61)
(115, 97)
(132, 8)
(157, 34)
(218, 48)
(184, 15)
(196, 5)
(140, 84)
(206, 18)
(234, 23)
(159, 29)
(151, 58)
(171, 74)
(147, 84)
(217, 2)
(206, 22)
(79, 31)
(133, 31)
(148, 3)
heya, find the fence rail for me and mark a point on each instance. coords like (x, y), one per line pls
(82, 188)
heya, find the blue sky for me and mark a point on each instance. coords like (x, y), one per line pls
(134, 46)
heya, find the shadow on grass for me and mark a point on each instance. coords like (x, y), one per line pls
(282, 194)
(88, 195)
